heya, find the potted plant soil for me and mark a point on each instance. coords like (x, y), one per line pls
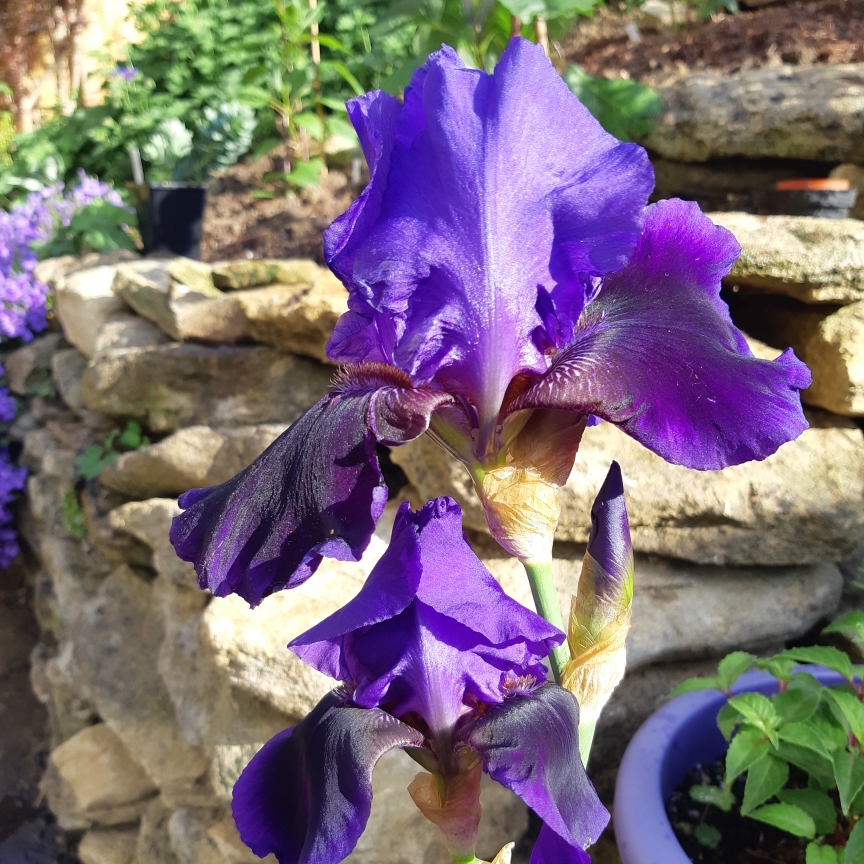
(179, 160)
(751, 766)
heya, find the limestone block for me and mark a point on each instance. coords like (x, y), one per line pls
(814, 112)
(196, 316)
(171, 386)
(195, 275)
(116, 646)
(803, 505)
(67, 369)
(295, 319)
(116, 846)
(107, 785)
(85, 302)
(808, 259)
(28, 367)
(249, 645)
(154, 842)
(190, 458)
(145, 286)
(150, 522)
(251, 273)
(128, 331)
(686, 611)
(829, 340)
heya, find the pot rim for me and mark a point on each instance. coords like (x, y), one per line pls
(668, 744)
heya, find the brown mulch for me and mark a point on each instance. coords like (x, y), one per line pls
(821, 32)
(237, 225)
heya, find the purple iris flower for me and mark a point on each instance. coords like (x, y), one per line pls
(127, 73)
(450, 677)
(506, 282)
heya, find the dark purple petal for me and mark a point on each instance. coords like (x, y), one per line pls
(481, 217)
(316, 491)
(551, 848)
(306, 795)
(657, 354)
(530, 744)
(429, 625)
(609, 542)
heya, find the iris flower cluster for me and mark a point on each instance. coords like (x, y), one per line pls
(508, 286)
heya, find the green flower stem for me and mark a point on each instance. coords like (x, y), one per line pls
(586, 739)
(546, 601)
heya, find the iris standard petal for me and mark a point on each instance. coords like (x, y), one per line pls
(657, 354)
(306, 795)
(550, 848)
(609, 542)
(316, 491)
(429, 625)
(530, 744)
(481, 215)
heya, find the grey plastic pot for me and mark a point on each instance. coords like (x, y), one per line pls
(672, 741)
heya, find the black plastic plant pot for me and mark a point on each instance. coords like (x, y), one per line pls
(171, 217)
(827, 199)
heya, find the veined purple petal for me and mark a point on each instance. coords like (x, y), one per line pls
(429, 625)
(657, 354)
(306, 795)
(609, 542)
(530, 744)
(481, 217)
(316, 491)
(551, 848)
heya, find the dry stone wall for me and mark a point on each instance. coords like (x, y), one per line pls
(169, 692)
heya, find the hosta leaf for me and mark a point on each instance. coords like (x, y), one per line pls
(786, 817)
(814, 802)
(705, 794)
(766, 777)
(849, 775)
(746, 747)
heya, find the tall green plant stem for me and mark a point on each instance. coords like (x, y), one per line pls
(546, 601)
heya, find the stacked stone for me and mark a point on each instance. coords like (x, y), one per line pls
(158, 695)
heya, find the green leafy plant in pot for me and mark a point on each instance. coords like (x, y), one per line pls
(179, 162)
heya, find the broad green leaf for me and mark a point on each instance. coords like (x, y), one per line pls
(851, 709)
(691, 685)
(746, 747)
(852, 624)
(830, 728)
(849, 775)
(814, 802)
(766, 777)
(818, 767)
(804, 736)
(708, 836)
(758, 711)
(806, 682)
(706, 794)
(823, 655)
(625, 109)
(795, 706)
(816, 854)
(732, 667)
(528, 10)
(305, 173)
(786, 817)
(312, 123)
(727, 719)
(855, 845)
